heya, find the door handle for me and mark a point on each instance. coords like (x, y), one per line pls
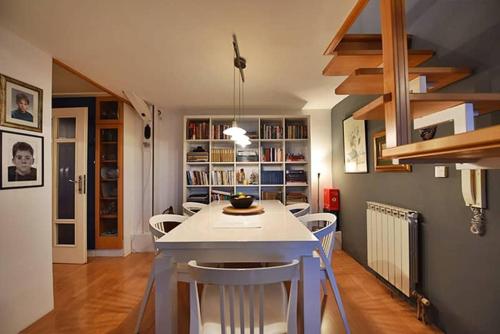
(79, 182)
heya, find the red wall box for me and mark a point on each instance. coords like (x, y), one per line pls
(331, 199)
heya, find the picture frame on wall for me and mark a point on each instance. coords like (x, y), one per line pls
(355, 157)
(21, 104)
(381, 164)
(21, 160)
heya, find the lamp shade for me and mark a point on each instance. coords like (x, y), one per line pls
(234, 130)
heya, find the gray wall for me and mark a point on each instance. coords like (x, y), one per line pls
(460, 272)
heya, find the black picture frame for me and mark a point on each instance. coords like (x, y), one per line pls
(355, 146)
(8, 140)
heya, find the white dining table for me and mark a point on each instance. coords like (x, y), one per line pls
(215, 237)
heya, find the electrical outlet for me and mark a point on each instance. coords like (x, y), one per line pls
(441, 171)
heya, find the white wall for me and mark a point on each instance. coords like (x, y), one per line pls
(132, 176)
(168, 150)
(25, 220)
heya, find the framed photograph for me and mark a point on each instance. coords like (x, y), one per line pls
(20, 104)
(22, 160)
(355, 160)
(381, 164)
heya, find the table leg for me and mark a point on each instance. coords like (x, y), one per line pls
(310, 294)
(166, 294)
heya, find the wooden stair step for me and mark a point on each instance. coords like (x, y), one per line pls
(370, 81)
(361, 42)
(464, 147)
(428, 103)
(344, 62)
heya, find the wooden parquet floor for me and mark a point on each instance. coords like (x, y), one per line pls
(103, 296)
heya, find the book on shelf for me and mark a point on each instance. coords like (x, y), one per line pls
(270, 131)
(197, 177)
(272, 154)
(271, 177)
(218, 131)
(298, 176)
(296, 131)
(199, 198)
(295, 197)
(271, 195)
(197, 156)
(222, 177)
(219, 195)
(251, 155)
(222, 154)
(197, 130)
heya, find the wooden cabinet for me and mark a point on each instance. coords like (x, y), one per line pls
(109, 174)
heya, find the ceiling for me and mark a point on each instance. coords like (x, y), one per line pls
(178, 54)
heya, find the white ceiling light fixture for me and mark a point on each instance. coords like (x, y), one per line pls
(237, 133)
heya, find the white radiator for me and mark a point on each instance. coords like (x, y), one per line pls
(392, 236)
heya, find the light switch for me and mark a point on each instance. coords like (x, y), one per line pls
(441, 171)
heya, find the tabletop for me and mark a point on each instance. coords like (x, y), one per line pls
(210, 227)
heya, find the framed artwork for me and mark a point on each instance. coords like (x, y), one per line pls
(22, 160)
(20, 104)
(355, 160)
(381, 164)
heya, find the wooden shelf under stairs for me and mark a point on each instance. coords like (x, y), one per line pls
(344, 62)
(464, 147)
(422, 104)
(370, 81)
(360, 57)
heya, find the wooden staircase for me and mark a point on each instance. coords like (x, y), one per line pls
(360, 57)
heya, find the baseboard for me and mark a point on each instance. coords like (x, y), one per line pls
(105, 252)
(142, 243)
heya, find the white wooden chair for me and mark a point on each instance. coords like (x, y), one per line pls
(299, 209)
(190, 208)
(233, 299)
(159, 225)
(326, 237)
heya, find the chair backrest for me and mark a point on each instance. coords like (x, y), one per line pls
(299, 209)
(190, 208)
(248, 284)
(160, 225)
(325, 234)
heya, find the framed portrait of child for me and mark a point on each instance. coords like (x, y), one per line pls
(20, 104)
(22, 160)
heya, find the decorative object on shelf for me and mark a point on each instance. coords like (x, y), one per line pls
(355, 146)
(296, 176)
(254, 178)
(22, 161)
(295, 157)
(427, 133)
(21, 104)
(381, 164)
(240, 176)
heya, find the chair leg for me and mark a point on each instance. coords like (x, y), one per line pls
(144, 301)
(338, 298)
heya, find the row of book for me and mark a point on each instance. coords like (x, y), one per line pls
(218, 131)
(271, 177)
(222, 177)
(272, 132)
(296, 131)
(222, 154)
(272, 154)
(197, 130)
(197, 177)
(197, 156)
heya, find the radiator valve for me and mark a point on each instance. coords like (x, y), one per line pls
(422, 307)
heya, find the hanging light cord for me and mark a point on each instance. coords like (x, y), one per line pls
(234, 94)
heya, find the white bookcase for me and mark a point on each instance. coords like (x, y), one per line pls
(225, 159)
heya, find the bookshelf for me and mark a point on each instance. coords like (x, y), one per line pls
(275, 166)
